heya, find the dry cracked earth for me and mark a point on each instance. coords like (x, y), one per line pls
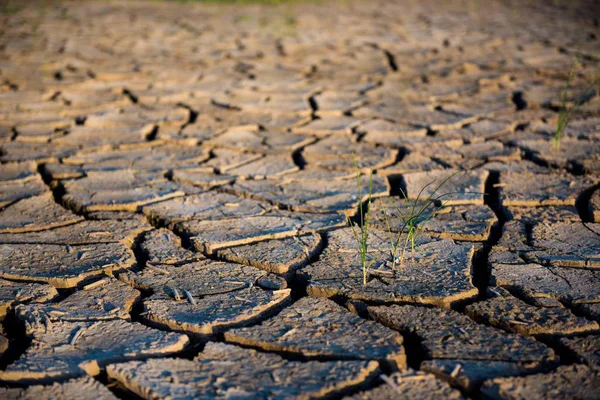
(175, 183)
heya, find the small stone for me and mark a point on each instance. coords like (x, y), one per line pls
(224, 370)
(314, 327)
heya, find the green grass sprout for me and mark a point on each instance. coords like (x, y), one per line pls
(361, 234)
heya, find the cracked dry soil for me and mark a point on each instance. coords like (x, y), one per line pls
(175, 183)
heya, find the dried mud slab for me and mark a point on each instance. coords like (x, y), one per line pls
(258, 141)
(202, 177)
(546, 214)
(507, 312)
(448, 338)
(457, 153)
(587, 348)
(337, 152)
(457, 187)
(422, 115)
(118, 191)
(571, 151)
(225, 159)
(316, 327)
(470, 374)
(463, 222)
(38, 152)
(329, 125)
(531, 189)
(85, 232)
(261, 375)
(85, 388)
(318, 195)
(409, 385)
(412, 162)
(567, 382)
(447, 334)
(380, 131)
(213, 314)
(268, 167)
(69, 349)
(280, 256)
(594, 206)
(162, 246)
(537, 282)
(208, 236)
(567, 244)
(13, 293)
(156, 158)
(198, 278)
(34, 214)
(62, 266)
(437, 272)
(203, 206)
(18, 171)
(101, 300)
(11, 191)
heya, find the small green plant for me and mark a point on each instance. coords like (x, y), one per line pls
(413, 221)
(566, 112)
(420, 210)
(361, 234)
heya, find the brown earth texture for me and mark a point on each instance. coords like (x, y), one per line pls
(180, 206)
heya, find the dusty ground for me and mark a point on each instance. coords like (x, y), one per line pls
(175, 183)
